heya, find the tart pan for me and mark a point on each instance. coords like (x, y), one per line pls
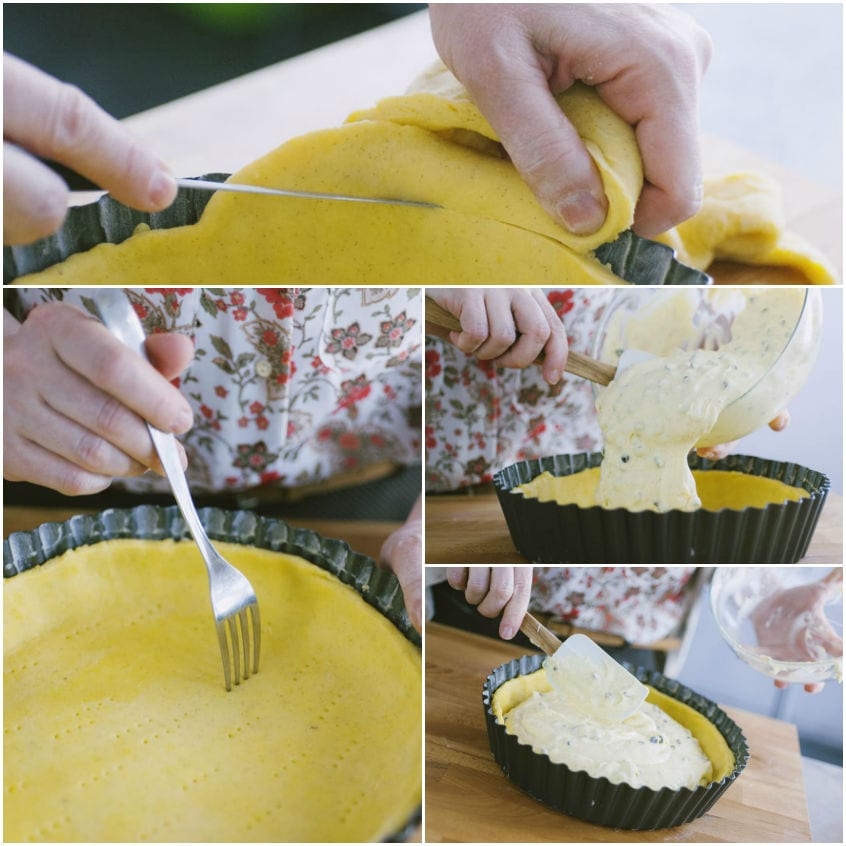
(380, 589)
(597, 800)
(551, 533)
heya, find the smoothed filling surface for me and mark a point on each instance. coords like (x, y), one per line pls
(118, 726)
(664, 744)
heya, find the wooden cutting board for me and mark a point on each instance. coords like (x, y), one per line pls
(463, 529)
(468, 799)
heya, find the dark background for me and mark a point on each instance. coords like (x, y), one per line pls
(133, 56)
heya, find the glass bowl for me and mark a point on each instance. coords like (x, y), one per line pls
(707, 317)
(736, 592)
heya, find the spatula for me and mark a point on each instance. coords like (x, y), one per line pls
(577, 363)
(585, 674)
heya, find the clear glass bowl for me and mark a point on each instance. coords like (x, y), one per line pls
(711, 312)
(735, 594)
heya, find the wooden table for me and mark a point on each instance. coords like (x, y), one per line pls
(365, 536)
(468, 799)
(472, 530)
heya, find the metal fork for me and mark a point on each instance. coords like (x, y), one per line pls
(233, 599)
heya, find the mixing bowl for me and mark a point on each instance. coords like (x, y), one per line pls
(702, 318)
(735, 594)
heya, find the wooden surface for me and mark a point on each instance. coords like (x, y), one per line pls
(365, 536)
(468, 799)
(472, 530)
(225, 127)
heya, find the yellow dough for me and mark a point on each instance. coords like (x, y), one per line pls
(118, 726)
(517, 690)
(716, 488)
(430, 145)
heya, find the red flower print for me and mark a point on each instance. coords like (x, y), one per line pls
(348, 341)
(140, 309)
(222, 305)
(431, 441)
(236, 298)
(270, 337)
(240, 314)
(433, 364)
(349, 441)
(281, 302)
(262, 422)
(256, 407)
(221, 391)
(206, 412)
(561, 301)
(353, 391)
(268, 477)
(243, 422)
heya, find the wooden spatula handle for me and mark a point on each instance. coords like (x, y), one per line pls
(577, 364)
(539, 634)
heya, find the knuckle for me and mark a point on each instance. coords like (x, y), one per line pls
(71, 119)
(504, 336)
(110, 416)
(91, 451)
(76, 482)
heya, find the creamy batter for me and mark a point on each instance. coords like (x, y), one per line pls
(653, 413)
(648, 749)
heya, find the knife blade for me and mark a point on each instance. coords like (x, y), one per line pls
(234, 187)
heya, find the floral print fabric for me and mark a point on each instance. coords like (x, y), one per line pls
(641, 604)
(290, 386)
(480, 418)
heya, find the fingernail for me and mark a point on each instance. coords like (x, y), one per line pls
(162, 188)
(553, 377)
(506, 632)
(581, 213)
(183, 421)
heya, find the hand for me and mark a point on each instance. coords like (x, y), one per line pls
(510, 326)
(791, 625)
(495, 591)
(75, 400)
(44, 117)
(778, 424)
(645, 61)
(402, 553)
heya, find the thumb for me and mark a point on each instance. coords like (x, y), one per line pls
(170, 353)
(545, 148)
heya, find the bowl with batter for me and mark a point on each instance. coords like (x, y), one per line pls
(119, 729)
(663, 766)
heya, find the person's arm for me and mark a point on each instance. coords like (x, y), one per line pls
(402, 553)
(508, 326)
(43, 117)
(645, 61)
(75, 400)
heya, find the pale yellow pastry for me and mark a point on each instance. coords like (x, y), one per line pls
(430, 145)
(118, 726)
(716, 489)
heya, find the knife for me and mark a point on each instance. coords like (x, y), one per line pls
(635, 260)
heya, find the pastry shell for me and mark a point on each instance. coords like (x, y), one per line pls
(597, 800)
(547, 532)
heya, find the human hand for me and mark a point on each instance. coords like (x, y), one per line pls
(791, 625)
(75, 400)
(778, 424)
(495, 591)
(48, 118)
(509, 326)
(402, 553)
(645, 61)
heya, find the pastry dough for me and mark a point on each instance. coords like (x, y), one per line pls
(118, 727)
(431, 145)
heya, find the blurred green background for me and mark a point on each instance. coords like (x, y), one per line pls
(133, 56)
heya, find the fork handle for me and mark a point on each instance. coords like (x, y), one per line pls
(120, 319)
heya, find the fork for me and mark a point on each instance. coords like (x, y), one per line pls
(233, 599)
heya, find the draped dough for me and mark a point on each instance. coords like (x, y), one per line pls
(430, 145)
